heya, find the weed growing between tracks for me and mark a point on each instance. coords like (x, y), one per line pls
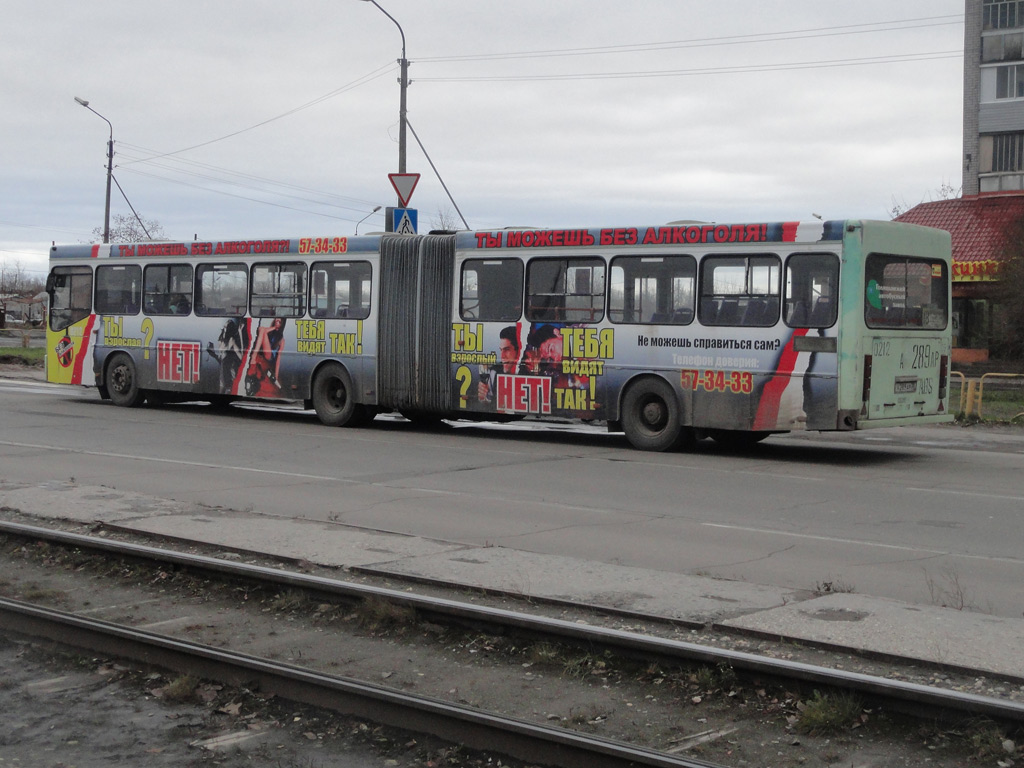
(827, 714)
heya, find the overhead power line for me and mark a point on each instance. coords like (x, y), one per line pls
(379, 72)
(237, 196)
(703, 42)
(216, 174)
(727, 70)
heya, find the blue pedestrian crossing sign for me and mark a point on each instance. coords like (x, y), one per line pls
(403, 221)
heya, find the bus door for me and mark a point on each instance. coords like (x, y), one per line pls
(69, 327)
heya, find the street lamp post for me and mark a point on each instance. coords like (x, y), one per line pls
(366, 217)
(404, 83)
(110, 168)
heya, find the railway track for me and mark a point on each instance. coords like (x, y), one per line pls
(518, 738)
(460, 725)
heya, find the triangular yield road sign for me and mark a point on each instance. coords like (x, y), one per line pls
(404, 184)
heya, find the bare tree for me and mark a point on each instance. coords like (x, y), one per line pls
(1008, 298)
(945, 191)
(12, 277)
(128, 229)
(445, 219)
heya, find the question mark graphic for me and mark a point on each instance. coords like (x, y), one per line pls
(147, 329)
(465, 377)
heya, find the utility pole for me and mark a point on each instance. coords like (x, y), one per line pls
(404, 85)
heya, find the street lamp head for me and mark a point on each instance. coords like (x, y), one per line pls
(83, 102)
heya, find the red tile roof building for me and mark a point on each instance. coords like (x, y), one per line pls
(978, 226)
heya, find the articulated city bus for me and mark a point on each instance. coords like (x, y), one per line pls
(669, 333)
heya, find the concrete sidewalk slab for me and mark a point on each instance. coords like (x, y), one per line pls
(882, 626)
(324, 544)
(668, 595)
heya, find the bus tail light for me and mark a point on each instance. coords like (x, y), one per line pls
(943, 378)
(867, 385)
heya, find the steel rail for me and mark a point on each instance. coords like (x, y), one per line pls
(897, 692)
(474, 728)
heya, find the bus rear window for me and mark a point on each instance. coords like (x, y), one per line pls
(904, 292)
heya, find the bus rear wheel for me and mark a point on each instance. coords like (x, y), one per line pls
(122, 382)
(334, 400)
(650, 417)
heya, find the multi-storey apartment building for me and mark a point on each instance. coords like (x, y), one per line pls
(993, 97)
(992, 202)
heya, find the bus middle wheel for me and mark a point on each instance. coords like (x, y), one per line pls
(650, 416)
(334, 399)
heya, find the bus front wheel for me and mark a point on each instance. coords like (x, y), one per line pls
(650, 417)
(122, 382)
(334, 399)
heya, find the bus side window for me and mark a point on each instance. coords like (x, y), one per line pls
(278, 290)
(221, 290)
(565, 290)
(812, 280)
(740, 290)
(340, 289)
(118, 289)
(167, 289)
(491, 290)
(652, 289)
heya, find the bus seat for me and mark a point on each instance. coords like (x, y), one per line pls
(821, 315)
(753, 313)
(659, 317)
(729, 312)
(796, 314)
(709, 309)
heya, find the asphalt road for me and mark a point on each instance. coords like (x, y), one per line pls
(930, 516)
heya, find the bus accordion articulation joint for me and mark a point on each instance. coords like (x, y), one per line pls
(670, 333)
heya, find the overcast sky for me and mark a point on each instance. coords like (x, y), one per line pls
(260, 118)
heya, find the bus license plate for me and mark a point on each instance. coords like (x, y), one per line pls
(906, 386)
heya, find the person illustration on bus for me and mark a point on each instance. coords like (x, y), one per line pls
(230, 349)
(508, 357)
(543, 357)
(543, 353)
(262, 377)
